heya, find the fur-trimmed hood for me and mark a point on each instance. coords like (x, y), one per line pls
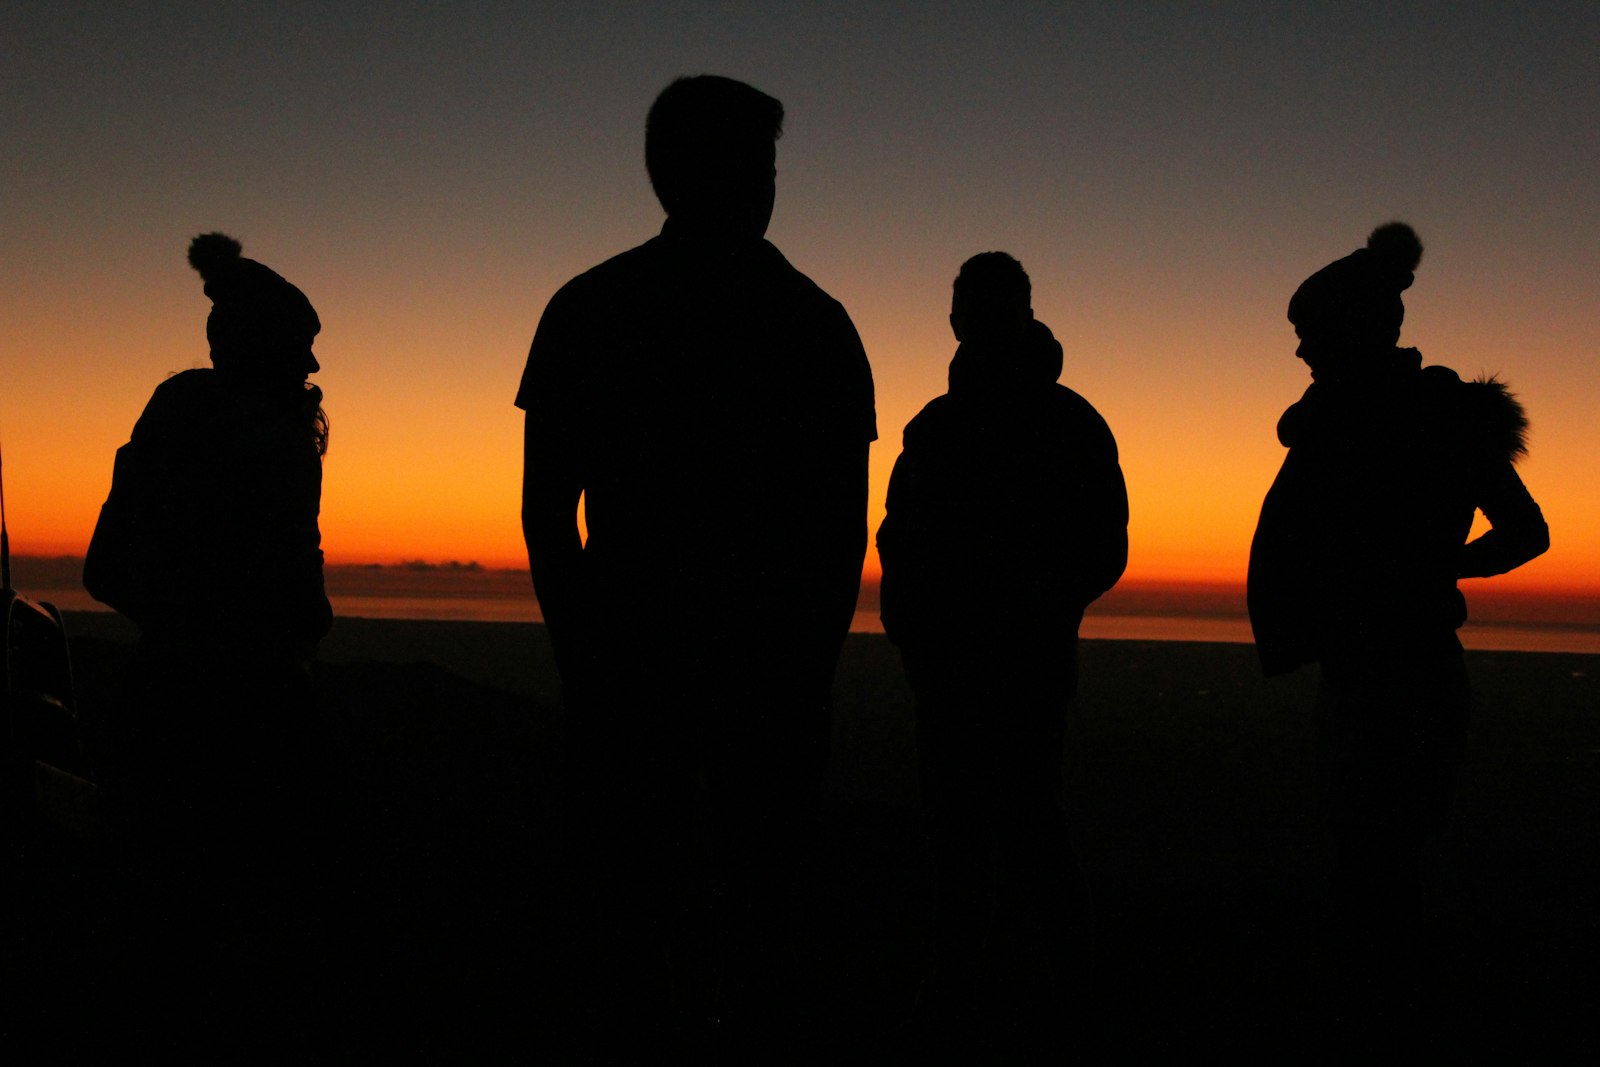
(1483, 414)
(1499, 413)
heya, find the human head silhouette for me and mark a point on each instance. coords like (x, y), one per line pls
(1352, 306)
(260, 324)
(710, 146)
(992, 300)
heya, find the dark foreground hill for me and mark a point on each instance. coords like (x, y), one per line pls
(1190, 776)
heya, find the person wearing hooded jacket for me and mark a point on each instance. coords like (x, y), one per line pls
(1006, 516)
(1361, 541)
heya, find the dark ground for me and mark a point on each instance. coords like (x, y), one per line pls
(1190, 775)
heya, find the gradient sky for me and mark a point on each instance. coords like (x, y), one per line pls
(429, 174)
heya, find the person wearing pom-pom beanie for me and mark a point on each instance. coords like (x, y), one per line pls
(209, 541)
(1360, 543)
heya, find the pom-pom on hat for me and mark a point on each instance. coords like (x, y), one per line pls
(1356, 300)
(255, 313)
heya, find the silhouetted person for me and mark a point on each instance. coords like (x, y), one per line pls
(209, 542)
(1007, 516)
(1354, 565)
(713, 407)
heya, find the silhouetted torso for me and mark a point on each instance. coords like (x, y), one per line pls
(1007, 513)
(1360, 542)
(716, 406)
(210, 537)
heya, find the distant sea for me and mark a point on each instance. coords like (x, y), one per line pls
(1512, 619)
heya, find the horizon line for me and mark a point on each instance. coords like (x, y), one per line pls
(1516, 588)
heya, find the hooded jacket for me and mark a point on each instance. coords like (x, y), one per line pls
(1007, 513)
(1363, 535)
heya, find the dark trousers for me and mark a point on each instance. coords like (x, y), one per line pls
(691, 820)
(990, 734)
(1390, 741)
(227, 781)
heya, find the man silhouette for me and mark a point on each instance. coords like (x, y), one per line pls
(713, 408)
(1354, 565)
(1007, 516)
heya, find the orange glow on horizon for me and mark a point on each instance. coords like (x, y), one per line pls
(425, 460)
(439, 479)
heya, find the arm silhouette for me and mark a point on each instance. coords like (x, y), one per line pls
(551, 489)
(1518, 531)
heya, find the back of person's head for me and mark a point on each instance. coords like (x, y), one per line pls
(709, 148)
(992, 299)
(261, 327)
(259, 322)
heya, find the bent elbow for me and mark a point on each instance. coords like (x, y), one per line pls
(1539, 539)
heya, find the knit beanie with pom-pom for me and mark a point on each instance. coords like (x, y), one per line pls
(255, 314)
(1356, 300)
